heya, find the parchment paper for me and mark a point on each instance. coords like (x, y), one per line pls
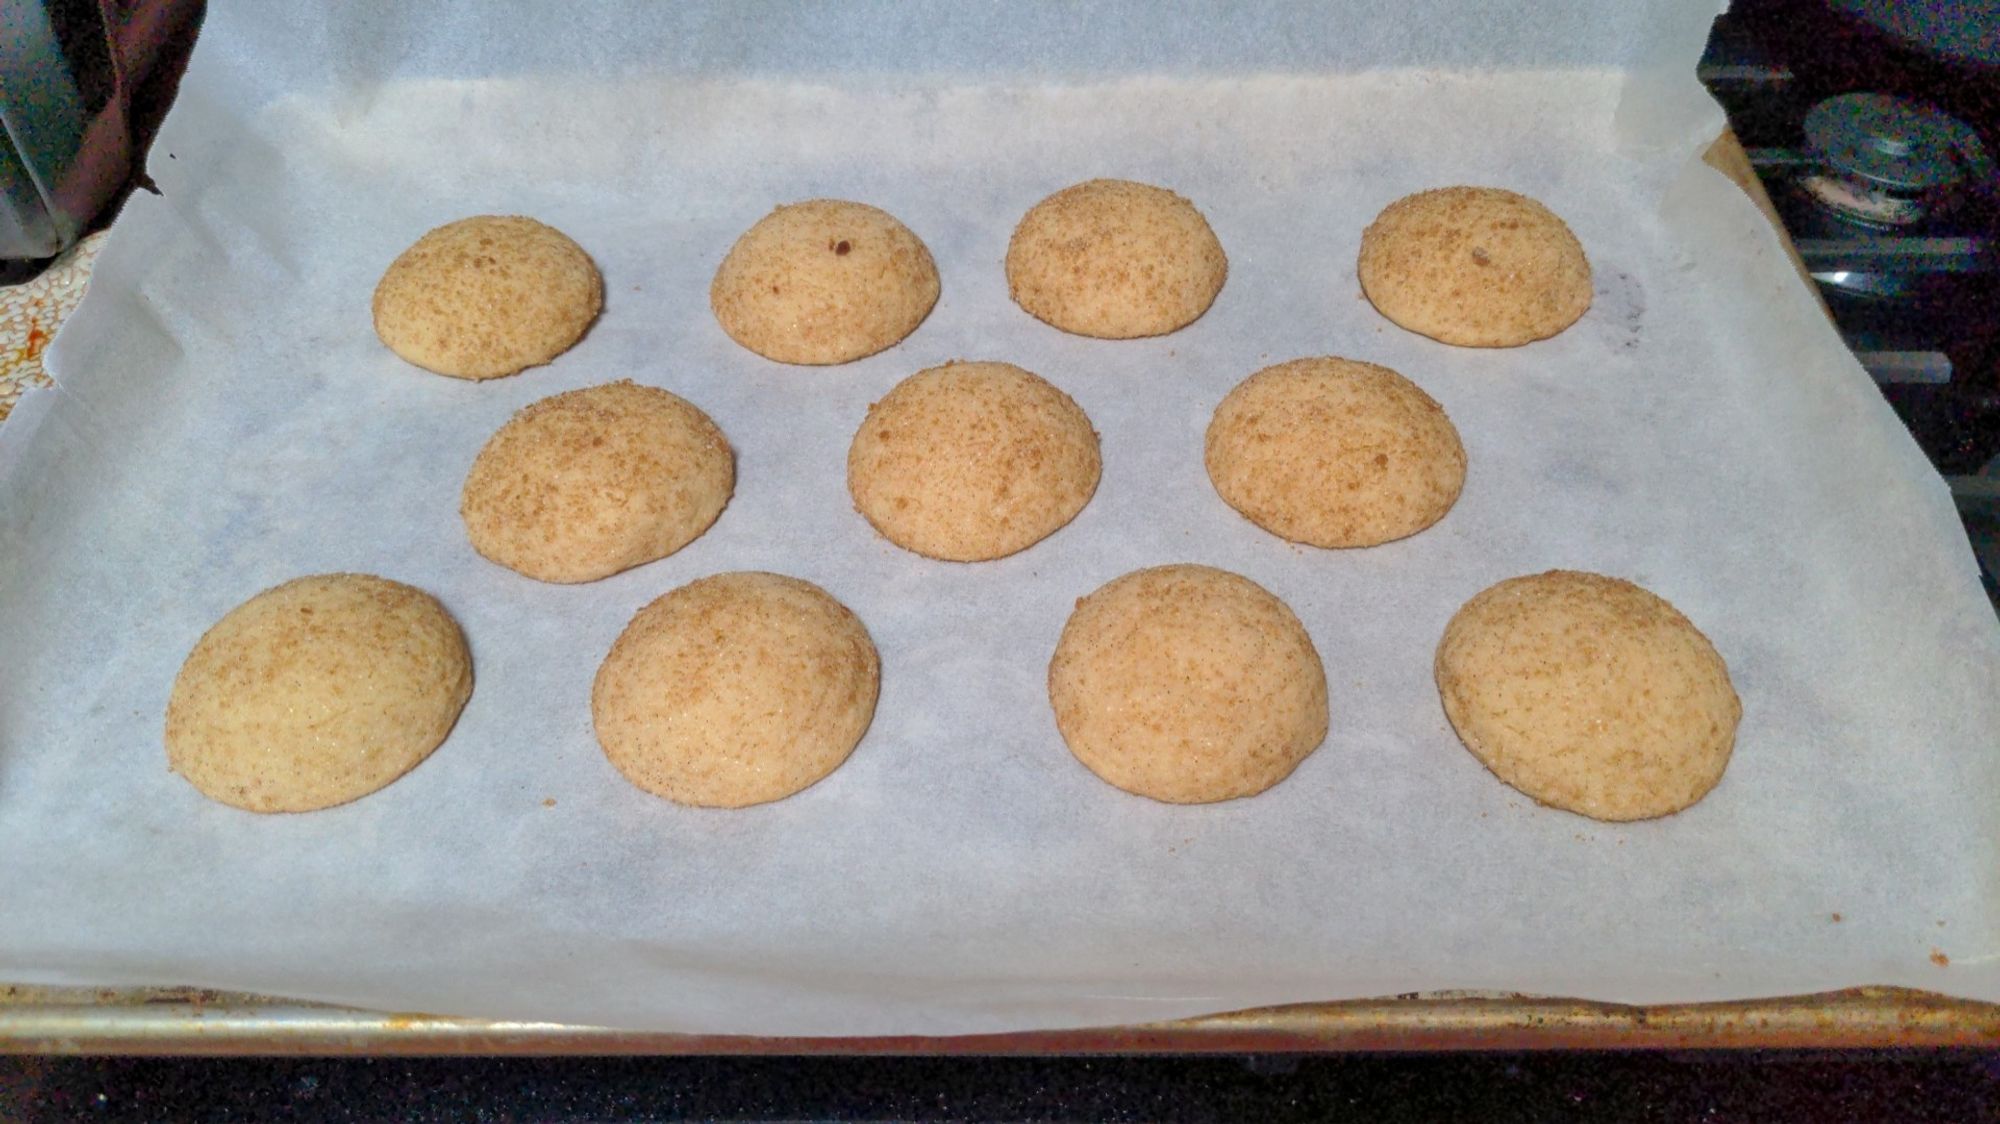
(226, 420)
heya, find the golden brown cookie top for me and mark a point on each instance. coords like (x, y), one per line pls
(737, 689)
(824, 281)
(1334, 453)
(1590, 694)
(487, 296)
(1187, 684)
(317, 692)
(971, 461)
(1116, 260)
(590, 482)
(1474, 266)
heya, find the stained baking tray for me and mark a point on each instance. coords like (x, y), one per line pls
(179, 1021)
(192, 1021)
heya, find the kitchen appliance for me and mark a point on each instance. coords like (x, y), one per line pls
(83, 83)
(1875, 126)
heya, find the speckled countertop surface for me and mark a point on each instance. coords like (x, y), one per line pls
(31, 312)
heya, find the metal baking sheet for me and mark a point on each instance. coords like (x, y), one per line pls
(1702, 431)
(181, 1021)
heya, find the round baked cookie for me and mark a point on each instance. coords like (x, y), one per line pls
(1187, 684)
(736, 689)
(1474, 266)
(1334, 452)
(1116, 260)
(824, 281)
(317, 692)
(1589, 694)
(487, 296)
(583, 484)
(971, 461)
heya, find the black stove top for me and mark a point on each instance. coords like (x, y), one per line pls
(1875, 126)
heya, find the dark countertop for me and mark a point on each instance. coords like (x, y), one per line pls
(1903, 1085)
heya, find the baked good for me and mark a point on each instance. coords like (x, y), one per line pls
(317, 692)
(1589, 694)
(736, 689)
(824, 281)
(970, 461)
(1474, 266)
(487, 296)
(1334, 452)
(1187, 684)
(1115, 259)
(583, 484)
